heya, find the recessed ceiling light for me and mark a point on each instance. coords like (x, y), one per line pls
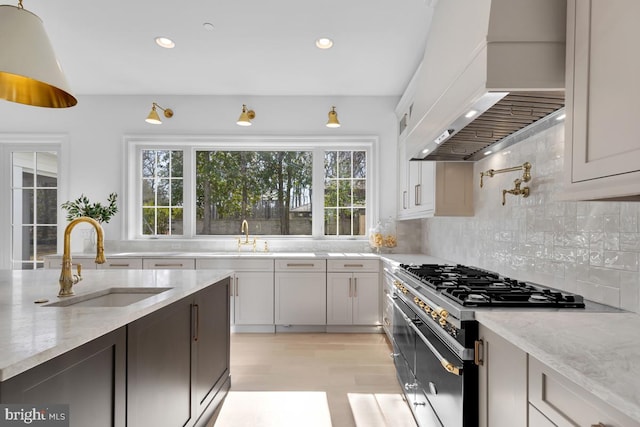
(208, 26)
(165, 42)
(425, 151)
(470, 114)
(561, 117)
(324, 43)
(486, 153)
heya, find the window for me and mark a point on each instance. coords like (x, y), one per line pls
(162, 190)
(345, 193)
(195, 188)
(34, 197)
(271, 189)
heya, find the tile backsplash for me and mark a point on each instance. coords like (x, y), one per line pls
(591, 248)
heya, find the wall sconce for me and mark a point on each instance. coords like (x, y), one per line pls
(333, 119)
(30, 73)
(153, 117)
(246, 116)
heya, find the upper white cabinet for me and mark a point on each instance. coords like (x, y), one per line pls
(602, 148)
(435, 189)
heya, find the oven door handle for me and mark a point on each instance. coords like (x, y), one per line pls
(448, 366)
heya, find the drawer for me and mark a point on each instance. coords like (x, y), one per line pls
(565, 403)
(372, 265)
(121, 263)
(169, 263)
(87, 263)
(237, 264)
(301, 265)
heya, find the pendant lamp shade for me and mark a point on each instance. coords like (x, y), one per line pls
(29, 71)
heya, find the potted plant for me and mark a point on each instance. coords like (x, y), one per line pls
(83, 207)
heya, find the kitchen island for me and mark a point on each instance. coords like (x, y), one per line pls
(170, 348)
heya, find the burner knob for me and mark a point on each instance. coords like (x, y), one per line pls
(443, 322)
(416, 300)
(441, 312)
(427, 308)
(421, 304)
(434, 314)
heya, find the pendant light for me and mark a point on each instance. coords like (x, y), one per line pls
(153, 116)
(246, 116)
(29, 71)
(333, 119)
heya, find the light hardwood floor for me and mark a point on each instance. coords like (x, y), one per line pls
(353, 374)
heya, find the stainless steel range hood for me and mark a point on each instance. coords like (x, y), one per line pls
(491, 68)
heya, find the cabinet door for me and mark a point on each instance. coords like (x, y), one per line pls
(90, 379)
(564, 403)
(403, 179)
(253, 298)
(602, 152)
(502, 382)
(211, 342)
(415, 185)
(300, 298)
(366, 299)
(159, 368)
(340, 298)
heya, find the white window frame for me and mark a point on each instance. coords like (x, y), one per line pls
(189, 144)
(10, 142)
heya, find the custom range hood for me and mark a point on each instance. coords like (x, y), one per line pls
(490, 69)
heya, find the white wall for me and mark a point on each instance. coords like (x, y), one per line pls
(592, 248)
(96, 126)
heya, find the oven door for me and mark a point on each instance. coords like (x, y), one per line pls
(445, 379)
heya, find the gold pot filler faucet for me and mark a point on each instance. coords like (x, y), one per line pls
(517, 190)
(67, 278)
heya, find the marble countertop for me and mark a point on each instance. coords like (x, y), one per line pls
(598, 351)
(31, 333)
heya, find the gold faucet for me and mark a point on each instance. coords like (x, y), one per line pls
(245, 229)
(67, 278)
(516, 191)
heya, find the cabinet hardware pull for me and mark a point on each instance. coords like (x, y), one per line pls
(168, 265)
(478, 350)
(598, 425)
(300, 265)
(404, 199)
(196, 315)
(418, 194)
(354, 265)
(118, 265)
(355, 287)
(350, 291)
(237, 288)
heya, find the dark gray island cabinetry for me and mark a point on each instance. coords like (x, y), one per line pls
(178, 360)
(166, 362)
(91, 379)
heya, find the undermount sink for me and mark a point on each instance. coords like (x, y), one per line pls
(111, 297)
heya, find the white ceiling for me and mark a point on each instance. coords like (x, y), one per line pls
(257, 47)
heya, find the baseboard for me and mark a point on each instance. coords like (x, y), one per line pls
(354, 329)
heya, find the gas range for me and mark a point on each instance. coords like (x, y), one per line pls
(474, 287)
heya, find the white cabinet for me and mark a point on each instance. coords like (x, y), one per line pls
(560, 402)
(300, 292)
(251, 291)
(169, 263)
(353, 292)
(55, 262)
(602, 150)
(435, 189)
(502, 382)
